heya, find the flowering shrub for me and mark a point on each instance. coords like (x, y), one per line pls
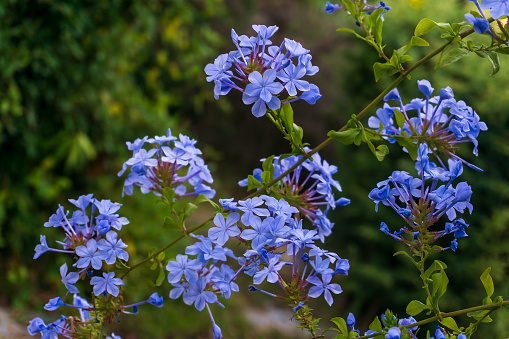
(275, 234)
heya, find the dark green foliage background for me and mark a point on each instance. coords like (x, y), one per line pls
(79, 78)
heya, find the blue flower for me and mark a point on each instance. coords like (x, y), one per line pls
(53, 304)
(270, 272)
(224, 229)
(331, 8)
(182, 267)
(323, 287)
(155, 300)
(498, 8)
(261, 90)
(69, 279)
(223, 279)
(42, 248)
(106, 283)
(251, 210)
(197, 294)
(216, 331)
(481, 25)
(290, 77)
(257, 64)
(114, 248)
(89, 255)
(393, 333)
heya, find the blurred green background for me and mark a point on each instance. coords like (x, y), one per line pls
(79, 78)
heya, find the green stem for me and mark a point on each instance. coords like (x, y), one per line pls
(426, 286)
(361, 114)
(165, 247)
(492, 307)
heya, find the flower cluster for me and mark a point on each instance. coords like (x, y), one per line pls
(94, 242)
(441, 122)
(164, 166)
(309, 188)
(274, 240)
(263, 71)
(331, 8)
(401, 328)
(421, 205)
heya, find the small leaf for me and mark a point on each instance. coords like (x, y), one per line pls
(415, 307)
(346, 137)
(450, 323)
(202, 198)
(416, 41)
(454, 55)
(161, 256)
(424, 26)
(350, 7)
(253, 183)
(487, 282)
(160, 277)
(286, 115)
(492, 57)
(171, 222)
(407, 255)
(436, 266)
(379, 69)
(408, 144)
(341, 324)
(400, 118)
(376, 325)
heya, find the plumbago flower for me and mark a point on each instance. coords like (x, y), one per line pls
(421, 205)
(363, 7)
(308, 190)
(88, 323)
(441, 122)
(278, 248)
(498, 8)
(164, 166)
(263, 71)
(91, 240)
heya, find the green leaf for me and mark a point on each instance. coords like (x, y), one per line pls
(415, 307)
(436, 266)
(450, 323)
(440, 282)
(202, 198)
(171, 222)
(406, 142)
(286, 115)
(416, 41)
(492, 57)
(454, 55)
(377, 28)
(346, 137)
(160, 256)
(382, 151)
(376, 325)
(446, 27)
(350, 7)
(487, 282)
(253, 183)
(169, 194)
(400, 118)
(189, 209)
(379, 69)
(407, 255)
(480, 314)
(341, 324)
(424, 26)
(160, 277)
